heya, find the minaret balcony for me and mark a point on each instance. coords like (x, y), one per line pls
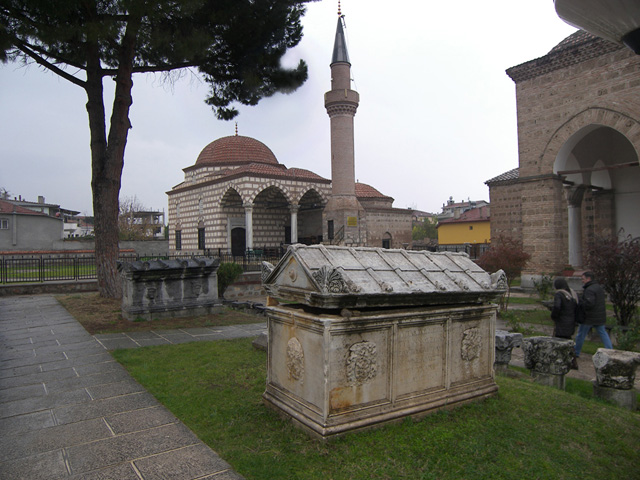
(341, 97)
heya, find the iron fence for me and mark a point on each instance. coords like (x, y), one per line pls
(40, 268)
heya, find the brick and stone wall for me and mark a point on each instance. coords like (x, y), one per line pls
(584, 82)
(383, 223)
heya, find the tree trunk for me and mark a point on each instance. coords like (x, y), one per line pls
(107, 158)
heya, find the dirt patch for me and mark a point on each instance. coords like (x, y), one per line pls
(102, 315)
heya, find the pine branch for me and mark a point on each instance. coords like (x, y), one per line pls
(27, 50)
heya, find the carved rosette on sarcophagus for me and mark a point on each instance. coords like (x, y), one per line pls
(362, 336)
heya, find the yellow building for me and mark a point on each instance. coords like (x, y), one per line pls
(470, 228)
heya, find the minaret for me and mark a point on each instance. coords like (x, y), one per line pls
(343, 217)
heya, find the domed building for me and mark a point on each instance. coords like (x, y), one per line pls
(238, 197)
(578, 175)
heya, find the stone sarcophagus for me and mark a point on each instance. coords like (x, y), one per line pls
(169, 288)
(372, 335)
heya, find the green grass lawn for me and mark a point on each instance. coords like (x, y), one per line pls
(526, 431)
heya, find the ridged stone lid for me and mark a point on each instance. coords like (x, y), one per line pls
(329, 276)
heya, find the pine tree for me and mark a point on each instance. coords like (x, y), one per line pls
(236, 45)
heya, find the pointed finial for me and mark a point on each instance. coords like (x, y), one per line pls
(236, 129)
(339, 9)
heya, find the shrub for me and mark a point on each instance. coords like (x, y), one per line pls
(505, 254)
(227, 274)
(616, 264)
(544, 286)
(627, 338)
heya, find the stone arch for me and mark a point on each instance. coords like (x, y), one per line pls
(231, 198)
(266, 186)
(272, 216)
(593, 152)
(310, 189)
(582, 124)
(310, 206)
(235, 230)
(387, 240)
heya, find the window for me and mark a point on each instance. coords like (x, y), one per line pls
(470, 227)
(201, 238)
(386, 243)
(178, 240)
(4, 224)
(330, 229)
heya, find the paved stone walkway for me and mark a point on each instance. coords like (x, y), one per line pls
(69, 410)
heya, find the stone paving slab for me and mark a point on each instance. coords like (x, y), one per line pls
(69, 411)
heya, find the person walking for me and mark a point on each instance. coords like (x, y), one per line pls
(563, 312)
(595, 312)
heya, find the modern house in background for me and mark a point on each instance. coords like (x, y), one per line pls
(25, 229)
(469, 228)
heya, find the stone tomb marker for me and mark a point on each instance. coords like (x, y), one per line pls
(169, 288)
(505, 343)
(615, 376)
(373, 335)
(548, 359)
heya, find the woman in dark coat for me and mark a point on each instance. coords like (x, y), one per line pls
(563, 312)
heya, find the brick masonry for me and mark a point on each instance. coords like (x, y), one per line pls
(584, 82)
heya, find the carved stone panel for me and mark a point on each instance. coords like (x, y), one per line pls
(362, 363)
(472, 350)
(295, 360)
(421, 358)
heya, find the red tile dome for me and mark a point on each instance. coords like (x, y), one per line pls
(236, 150)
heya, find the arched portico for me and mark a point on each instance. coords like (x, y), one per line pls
(601, 162)
(310, 207)
(271, 218)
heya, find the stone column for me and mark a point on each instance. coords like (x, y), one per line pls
(505, 343)
(294, 222)
(574, 197)
(548, 359)
(248, 214)
(615, 376)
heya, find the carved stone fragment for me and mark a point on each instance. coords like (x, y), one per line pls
(505, 343)
(548, 355)
(330, 280)
(616, 368)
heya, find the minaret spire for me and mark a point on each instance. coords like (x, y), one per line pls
(343, 211)
(340, 53)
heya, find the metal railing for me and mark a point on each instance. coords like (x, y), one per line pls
(49, 267)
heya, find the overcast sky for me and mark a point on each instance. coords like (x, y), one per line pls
(437, 114)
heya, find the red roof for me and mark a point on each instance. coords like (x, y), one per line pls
(280, 171)
(236, 150)
(367, 191)
(480, 214)
(8, 207)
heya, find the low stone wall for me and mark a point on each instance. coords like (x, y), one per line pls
(60, 287)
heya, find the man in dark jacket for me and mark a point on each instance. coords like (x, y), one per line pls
(595, 312)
